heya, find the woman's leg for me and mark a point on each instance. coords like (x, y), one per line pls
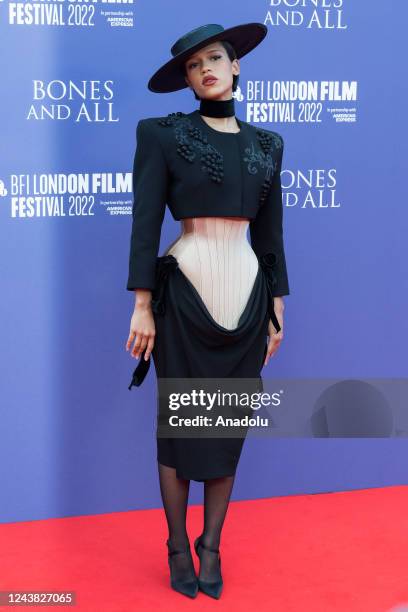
(217, 493)
(174, 492)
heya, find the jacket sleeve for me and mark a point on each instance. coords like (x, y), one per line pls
(266, 230)
(150, 180)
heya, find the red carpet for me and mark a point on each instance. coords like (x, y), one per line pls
(329, 552)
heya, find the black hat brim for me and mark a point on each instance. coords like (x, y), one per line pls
(243, 38)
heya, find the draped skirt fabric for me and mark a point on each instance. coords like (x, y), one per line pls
(190, 343)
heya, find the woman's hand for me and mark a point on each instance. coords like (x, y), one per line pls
(275, 338)
(142, 327)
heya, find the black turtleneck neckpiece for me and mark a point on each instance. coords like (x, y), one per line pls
(217, 108)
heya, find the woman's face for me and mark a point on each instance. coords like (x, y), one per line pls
(211, 61)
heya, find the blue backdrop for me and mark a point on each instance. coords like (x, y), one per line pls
(330, 77)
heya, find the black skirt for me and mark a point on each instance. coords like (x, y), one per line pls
(189, 343)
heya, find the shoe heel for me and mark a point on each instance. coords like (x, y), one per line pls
(185, 587)
(213, 588)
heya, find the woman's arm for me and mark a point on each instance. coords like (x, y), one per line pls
(150, 181)
(266, 232)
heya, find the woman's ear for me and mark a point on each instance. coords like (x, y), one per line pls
(235, 66)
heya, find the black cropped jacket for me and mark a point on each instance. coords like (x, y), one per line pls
(199, 171)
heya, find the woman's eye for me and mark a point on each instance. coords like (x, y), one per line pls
(195, 63)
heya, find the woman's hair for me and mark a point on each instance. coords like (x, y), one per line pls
(232, 55)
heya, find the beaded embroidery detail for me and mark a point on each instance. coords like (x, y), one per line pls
(190, 139)
(264, 158)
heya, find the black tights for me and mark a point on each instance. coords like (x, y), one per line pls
(174, 492)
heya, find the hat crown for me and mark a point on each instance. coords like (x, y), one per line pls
(194, 37)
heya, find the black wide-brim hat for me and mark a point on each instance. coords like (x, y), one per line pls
(242, 37)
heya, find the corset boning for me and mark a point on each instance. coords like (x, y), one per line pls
(215, 255)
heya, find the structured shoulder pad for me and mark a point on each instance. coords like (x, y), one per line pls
(147, 131)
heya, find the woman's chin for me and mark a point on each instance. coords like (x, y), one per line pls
(213, 93)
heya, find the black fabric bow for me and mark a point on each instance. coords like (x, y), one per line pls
(164, 265)
(140, 371)
(268, 262)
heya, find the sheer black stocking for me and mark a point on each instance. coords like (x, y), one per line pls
(217, 493)
(174, 493)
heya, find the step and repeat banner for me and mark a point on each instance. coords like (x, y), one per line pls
(330, 78)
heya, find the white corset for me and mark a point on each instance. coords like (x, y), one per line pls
(217, 258)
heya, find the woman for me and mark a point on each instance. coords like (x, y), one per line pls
(205, 308)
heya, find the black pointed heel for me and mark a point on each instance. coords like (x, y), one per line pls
(186, 587)
(212, 588)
